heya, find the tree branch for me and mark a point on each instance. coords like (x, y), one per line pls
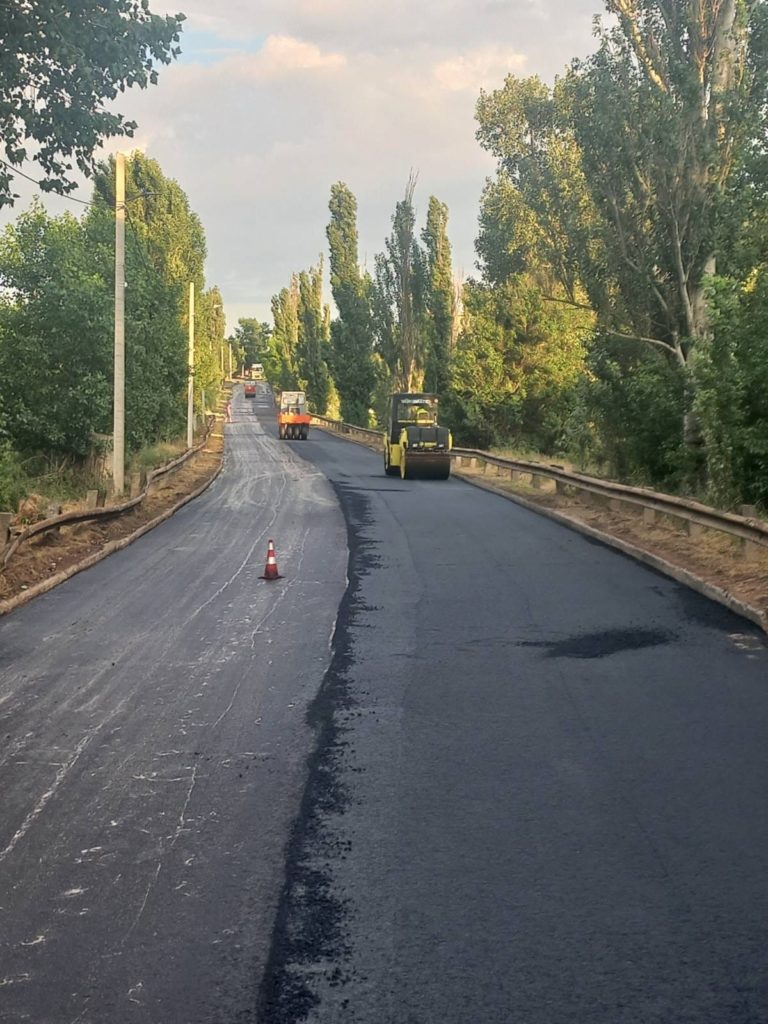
(674, 350)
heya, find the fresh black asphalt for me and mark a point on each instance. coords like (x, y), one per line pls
(539, 791)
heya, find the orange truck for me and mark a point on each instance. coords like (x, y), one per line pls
(292, 417)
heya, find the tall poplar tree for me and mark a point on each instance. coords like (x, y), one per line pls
(352, 331)
(285, 335)
(440, 297)
(313, 341)
(400, 298)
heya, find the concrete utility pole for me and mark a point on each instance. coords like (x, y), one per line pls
(191, 380)
(118, 430)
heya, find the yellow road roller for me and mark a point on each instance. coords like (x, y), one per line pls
(415, 447)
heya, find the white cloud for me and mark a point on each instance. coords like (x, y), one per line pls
(480, 69)
(281, 55)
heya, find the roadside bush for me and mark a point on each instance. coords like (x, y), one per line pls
(13, 481)
(636, 400)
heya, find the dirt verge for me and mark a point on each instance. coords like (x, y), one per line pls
(55, 554)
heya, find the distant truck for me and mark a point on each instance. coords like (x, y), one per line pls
(257, 371)
(292, 417)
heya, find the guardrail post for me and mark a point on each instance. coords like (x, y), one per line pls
(649, 516)
(695, 530)
(751, 551)
(490, 469)
(92, 499)
(135, 484)
(539, 482)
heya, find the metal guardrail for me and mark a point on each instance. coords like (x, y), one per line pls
(106, 512)
(751, 533)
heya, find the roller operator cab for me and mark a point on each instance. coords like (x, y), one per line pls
(293, 419)
(415, 446)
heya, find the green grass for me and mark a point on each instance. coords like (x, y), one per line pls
(52, 481)
(156, 455)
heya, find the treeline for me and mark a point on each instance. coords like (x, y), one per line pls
(621, 312)
(57, 323)
(395, 329)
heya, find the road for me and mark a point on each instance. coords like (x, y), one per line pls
(539, 791)
(154, 747)
(524, 784)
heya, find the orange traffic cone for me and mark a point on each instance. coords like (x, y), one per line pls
(270, 569)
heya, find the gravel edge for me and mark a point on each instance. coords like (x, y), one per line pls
(9, 605)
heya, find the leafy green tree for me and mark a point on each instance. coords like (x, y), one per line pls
(440, 298)
(313, 342)
(285, 336)
(165, 252)
(55, 336)
(252, 336)
(61, 66)
(732, 391)
(210, 325)
(624, 164)
(400, 302)
(516, 356)
(352, 331)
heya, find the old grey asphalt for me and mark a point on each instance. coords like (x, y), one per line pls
(539, 791)
(153, 746)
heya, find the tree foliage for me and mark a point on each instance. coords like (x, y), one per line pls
(440, 298)
(312, 350)
(399, 300)
(57, 318)
(516, 356)
(165, 252)
(61, 65)
(253, 341)
(285, 336)
(352, 330)
(622, 190)
(622, 167)
(55, 335)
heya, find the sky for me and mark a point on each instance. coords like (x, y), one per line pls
(273, 101)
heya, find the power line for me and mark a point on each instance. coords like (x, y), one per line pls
(63, 195)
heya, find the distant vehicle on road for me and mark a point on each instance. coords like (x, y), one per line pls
(250, 389)
(292, 417)
(257, 371)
